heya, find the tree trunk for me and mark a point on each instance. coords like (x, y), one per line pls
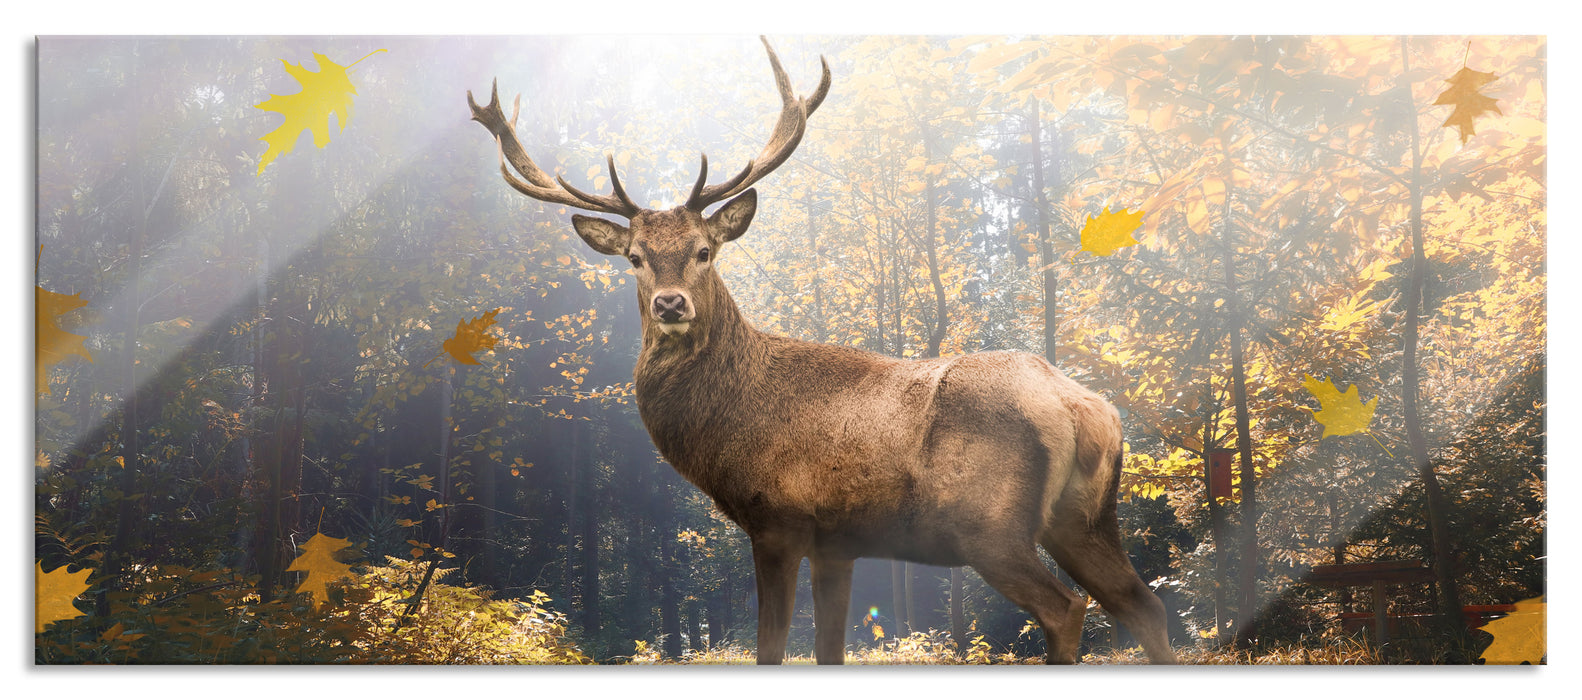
(568, 555)
(930, 246)
(958, 619)
(669, 598)
(280, 450)
(718, 602)
(815, 314)
(119, 551)
(1046, 244)
(588, 540)
(1449, 601)
(898, 597)
(911, 600)
(1247, 610)
(1216, 517)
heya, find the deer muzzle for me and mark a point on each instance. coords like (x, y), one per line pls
(673, 312)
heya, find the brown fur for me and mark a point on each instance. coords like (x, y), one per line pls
(834, 453)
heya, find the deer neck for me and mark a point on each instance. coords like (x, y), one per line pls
(691, 388)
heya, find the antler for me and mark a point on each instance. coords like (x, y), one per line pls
(787, 134)
(539, 185)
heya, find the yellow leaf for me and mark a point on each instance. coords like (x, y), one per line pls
(318, 560)
(327, 90)
(1469, 103)
(878, 632)
(1341, 413)
(1520, 637)
(53, 593)
(51, 344)
(1108, 232)
(471, 336)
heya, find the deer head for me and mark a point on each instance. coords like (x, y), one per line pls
(672, 251)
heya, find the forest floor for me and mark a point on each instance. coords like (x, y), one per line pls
(1341, 652)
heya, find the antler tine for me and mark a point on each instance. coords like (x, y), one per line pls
(618, 203)
(615, 184)
(696, 201)
(783, 140)
(539, 184)
(697, 187)
(817, 98)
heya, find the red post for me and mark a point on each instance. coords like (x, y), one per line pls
(1219, 473)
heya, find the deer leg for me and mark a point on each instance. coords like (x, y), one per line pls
(831, 601)
(1023, 580)
(776, 567)
(1095, 560)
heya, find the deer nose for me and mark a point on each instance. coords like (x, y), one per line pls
(670, 308)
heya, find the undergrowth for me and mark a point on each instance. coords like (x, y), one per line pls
(175, 615)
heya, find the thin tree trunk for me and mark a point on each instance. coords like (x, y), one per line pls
(1216, 517)
(728, 616)
(911, 600)
(931, 237)
(568, 559)
(588, 539)
(1247, 610)
(1444, 558)
(898, 597)
(718, 602)
(816, 314)
(131, 467)
(669, 598)
(1046, 243)
(958, 618)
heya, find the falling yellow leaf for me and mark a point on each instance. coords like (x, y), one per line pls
(878, 632)
(471, 336)
(51, 344)
(1520, 637)
(53, 593)
(1110, 231)
(1463, 93)
(1341, 413)
(318, 560)
(327, 90)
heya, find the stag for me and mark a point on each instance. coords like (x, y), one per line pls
(833, 453)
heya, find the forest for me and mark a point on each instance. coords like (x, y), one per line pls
(315, 385)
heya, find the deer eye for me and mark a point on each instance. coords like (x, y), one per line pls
(637, 260)
(703, 254)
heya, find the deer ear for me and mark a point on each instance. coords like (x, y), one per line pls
(602, 235)
(731, 221)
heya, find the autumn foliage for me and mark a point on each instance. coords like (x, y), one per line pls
(372, 406)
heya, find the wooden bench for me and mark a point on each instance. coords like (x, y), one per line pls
(1378, 576)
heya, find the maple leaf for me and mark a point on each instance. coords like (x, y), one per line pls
(53, 593)
(1341, 413)
(1463, 93)
(1520, 636)
(471, 336)
(51, 344)
(327, 90)
(318, 560)
(1108, 232)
